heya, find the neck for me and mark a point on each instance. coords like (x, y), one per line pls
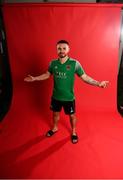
(63, 60)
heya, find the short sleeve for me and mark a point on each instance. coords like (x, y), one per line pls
(78, 69)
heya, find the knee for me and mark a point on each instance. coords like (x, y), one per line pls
(56, 114)
(72, 116)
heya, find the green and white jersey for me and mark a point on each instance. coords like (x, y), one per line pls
(64, 75)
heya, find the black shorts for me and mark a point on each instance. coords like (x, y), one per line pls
(68, 106)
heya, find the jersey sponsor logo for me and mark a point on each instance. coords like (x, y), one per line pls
(61, 75)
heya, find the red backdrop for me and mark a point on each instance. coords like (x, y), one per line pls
(94, 33)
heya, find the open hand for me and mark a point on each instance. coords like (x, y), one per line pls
(29, 78)
(103, 84)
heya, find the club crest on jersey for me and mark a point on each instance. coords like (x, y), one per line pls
(68, 67)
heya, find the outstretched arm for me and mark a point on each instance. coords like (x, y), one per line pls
(44, 76)
(93, 82)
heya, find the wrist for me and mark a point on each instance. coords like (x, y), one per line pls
(98, 83)
(35, 79)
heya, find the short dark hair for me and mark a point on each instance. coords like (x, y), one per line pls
(63, 42)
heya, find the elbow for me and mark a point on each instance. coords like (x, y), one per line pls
(84, 77)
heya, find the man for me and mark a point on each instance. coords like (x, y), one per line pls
(63, 70)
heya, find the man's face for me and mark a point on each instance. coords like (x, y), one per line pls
(62, 50)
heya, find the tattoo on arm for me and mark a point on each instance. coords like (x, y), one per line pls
(90, 80)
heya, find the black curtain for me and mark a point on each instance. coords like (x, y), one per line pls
(109, 1)
(5, 73)
(120, 87)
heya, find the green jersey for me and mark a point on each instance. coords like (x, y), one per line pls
(64, 75)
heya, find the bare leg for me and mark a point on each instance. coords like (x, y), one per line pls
(73, 120)
(56, 117)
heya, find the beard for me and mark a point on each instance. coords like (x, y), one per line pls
(62, 55)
